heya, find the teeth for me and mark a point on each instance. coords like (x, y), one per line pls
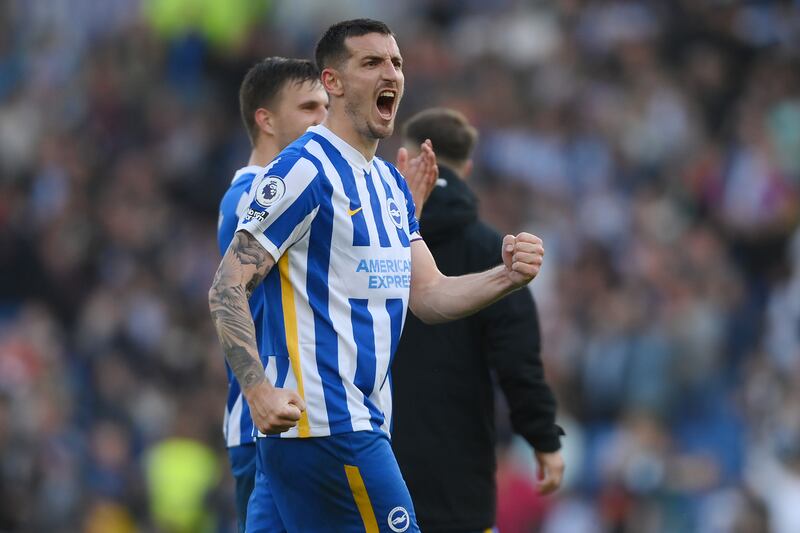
(387, 93)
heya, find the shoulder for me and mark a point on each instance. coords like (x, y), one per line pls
(390, 172)
(293, 167)
(293, 174)
(240, 185)
(245, 175)
(388, 169)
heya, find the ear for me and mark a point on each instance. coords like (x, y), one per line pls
(265, 121)
(332, 82)
(468, 168)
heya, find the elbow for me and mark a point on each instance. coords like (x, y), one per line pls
(424, 302)
(216, 294)
(225, 293)
(427, 315)
(417, 310)
(428, 320)
(432, 319)
(213, 297)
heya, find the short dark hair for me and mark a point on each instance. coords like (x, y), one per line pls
(452, 136)
(264, 81)
(331, 48)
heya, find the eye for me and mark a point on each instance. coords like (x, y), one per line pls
(398, 63)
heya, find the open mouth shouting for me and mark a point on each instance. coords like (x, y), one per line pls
(386, 103)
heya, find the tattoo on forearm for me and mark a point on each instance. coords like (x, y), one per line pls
(249, 252)
(230, 310)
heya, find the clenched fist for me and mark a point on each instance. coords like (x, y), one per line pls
(274, 410)
(522, 256)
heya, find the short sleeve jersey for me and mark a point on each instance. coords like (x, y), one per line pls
(340, 230)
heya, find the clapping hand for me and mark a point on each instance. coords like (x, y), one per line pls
(420, 173)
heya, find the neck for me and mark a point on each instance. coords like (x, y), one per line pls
(459, 169)
(263, 152)
(342, 126)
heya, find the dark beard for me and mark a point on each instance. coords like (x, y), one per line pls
(362, 125)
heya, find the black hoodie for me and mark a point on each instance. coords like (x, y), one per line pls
(444, 432)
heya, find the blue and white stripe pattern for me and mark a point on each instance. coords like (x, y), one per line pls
(339, 228)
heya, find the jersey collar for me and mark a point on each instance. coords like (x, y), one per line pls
(251, 169)
(348, 152)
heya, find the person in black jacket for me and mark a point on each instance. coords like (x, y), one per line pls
(444, 432)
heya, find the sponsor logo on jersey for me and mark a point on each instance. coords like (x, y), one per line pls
(386, 273)
(252, 214)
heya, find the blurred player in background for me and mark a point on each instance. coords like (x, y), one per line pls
(279, 99)
(449, 461)
(340, 225)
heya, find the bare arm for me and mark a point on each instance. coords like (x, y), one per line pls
(244, 266)
(438, 298)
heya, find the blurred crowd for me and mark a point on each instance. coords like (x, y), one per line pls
(654, 146)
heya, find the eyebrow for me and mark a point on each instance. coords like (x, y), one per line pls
(372, 57)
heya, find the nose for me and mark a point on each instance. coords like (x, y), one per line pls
(319, 116)
(389, 72)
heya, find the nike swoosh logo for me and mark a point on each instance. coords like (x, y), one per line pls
(352, 212)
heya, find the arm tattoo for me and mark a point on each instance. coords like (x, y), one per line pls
(245, 264)
(249, 252)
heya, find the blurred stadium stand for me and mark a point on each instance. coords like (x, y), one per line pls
(655, 146)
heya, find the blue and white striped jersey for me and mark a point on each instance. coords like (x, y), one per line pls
(339, 228)
(237, 425)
